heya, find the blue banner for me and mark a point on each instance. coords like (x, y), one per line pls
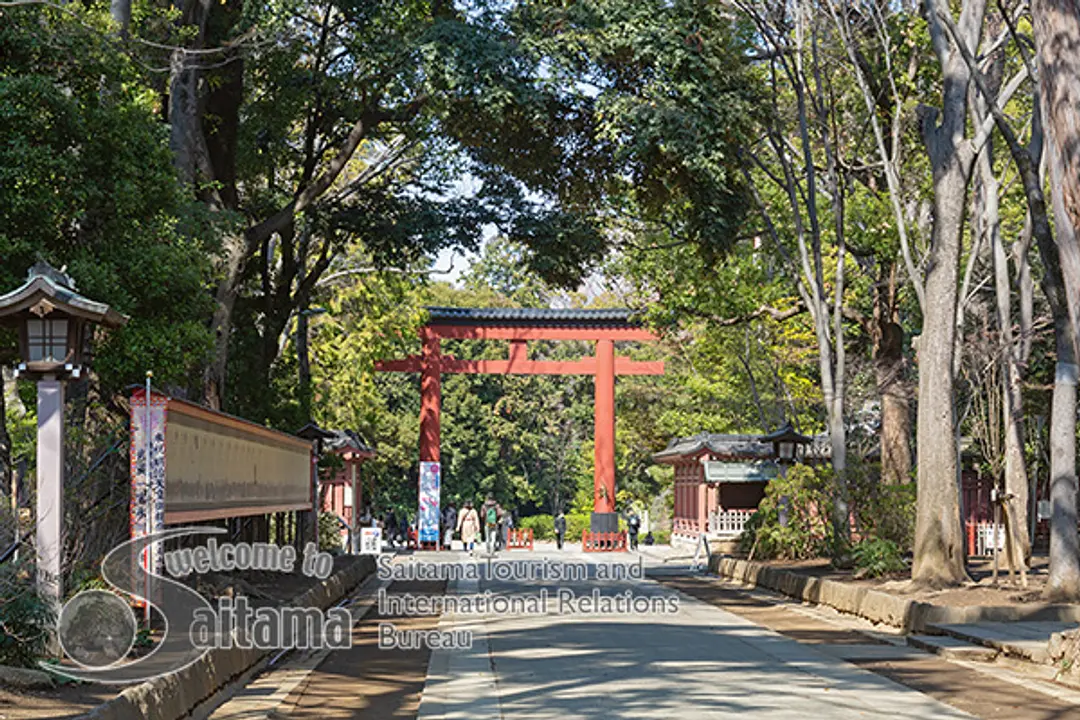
(428, 522)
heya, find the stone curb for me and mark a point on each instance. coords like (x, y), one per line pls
(173, 696)
(877, 606)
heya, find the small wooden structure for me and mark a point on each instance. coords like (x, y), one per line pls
(720, 479)
(343, 494)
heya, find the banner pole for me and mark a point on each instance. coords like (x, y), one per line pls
(149, 493)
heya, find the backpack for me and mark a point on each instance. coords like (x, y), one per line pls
(492, 516)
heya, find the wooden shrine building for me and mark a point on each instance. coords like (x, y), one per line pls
(721, 479)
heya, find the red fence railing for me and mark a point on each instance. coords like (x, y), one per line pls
(685, 527)
(603, 542)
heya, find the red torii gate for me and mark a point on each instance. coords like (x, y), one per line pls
(520, 325)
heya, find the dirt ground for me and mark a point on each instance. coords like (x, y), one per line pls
(381, 684)
(982, 591)
(72, 699)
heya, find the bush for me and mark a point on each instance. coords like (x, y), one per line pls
(807, 495)
(576, 524)
(882, 511)
(543, 526)
(662, 537)
(27, 619)
(330, 536)
(875, 557)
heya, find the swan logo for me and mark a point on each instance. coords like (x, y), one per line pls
(97, 628)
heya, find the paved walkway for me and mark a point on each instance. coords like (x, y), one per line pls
(700, 662)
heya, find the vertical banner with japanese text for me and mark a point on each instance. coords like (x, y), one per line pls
(428, 522)
(148, 479)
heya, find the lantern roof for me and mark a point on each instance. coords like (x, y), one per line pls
(349, 441)
(47, 289)
(786, 433)
(311, 431)
(731, 448)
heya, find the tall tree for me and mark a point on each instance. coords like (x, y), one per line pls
(796, 67)
(1057, 42)
(939, 540)
(865, 33)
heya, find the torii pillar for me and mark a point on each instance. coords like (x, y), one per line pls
(604, 439)
(519, 326)
(430, 395)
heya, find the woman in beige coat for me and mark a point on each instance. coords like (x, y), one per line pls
(469, 526)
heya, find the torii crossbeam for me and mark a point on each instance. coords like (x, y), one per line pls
(520, 325)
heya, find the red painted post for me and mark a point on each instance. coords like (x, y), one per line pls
(430, 392)
(702, 511)
(519, 353)
(604, 423)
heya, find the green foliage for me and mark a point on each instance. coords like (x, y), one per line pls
(330, 537)
(576, 524)
(881, 510)
(87, 580)
(143, 638)
(543, 526)
(662, 537)
(86, 181)
(875, 557)
(27, 619)
(807, 494)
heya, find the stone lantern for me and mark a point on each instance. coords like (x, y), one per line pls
(52, 320)
(789, 446)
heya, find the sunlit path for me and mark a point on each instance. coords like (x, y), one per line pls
(698, 662)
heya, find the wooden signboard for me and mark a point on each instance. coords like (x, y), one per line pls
(218, 466)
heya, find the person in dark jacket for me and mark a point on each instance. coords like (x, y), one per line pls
(560, 529)
(390, 527)
(633, 525)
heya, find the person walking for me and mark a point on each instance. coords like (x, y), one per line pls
(390, 527)
(508, 525)
(491, 523)
(449, 524)
(468, 526)
(500, 530)
(560, 529)
(633, 524)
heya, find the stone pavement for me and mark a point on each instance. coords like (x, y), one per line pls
(699, 662)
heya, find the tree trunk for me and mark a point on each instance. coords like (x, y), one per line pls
(1063, 582)
(1012, 411)
(227, 293)
(120, 10)
(5, 461)
(890, 374)
(939, 538)
(939, 541)
(889, 371)
(1057, 42)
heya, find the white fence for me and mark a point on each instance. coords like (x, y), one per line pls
(728, 523)
(984, 538)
